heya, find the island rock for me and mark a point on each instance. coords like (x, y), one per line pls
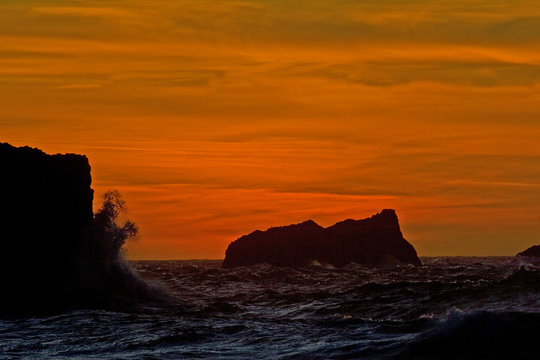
(374, 241)
(533, 251)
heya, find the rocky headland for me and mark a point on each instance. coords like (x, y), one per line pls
(56, 253)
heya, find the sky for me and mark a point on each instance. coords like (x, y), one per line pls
(217, 118)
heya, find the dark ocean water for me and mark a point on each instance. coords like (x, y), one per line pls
(449, 308)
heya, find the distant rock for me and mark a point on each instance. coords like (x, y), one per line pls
(373, 241)
(533, 251)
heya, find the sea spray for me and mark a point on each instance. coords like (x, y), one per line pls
(103, 276)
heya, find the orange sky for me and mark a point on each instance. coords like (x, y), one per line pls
(216, 118)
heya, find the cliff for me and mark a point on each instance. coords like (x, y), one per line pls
(46, 203)
(533, 251)
(373, 241)
(55, 256)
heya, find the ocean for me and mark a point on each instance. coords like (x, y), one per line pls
(448, 308)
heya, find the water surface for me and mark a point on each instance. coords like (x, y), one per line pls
(449, 308)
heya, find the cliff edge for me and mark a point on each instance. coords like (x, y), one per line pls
(373, 241)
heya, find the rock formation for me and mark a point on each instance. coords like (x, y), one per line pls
(45, 204)
(48, 243)
(373, 241)
(533, 251)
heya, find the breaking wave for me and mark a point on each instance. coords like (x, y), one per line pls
(480, 335)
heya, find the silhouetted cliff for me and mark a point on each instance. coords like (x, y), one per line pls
(52, 252)
(46, 202)
(373, 241)
(533, 251)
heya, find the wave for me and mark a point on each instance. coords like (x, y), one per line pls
(479, 335)
(356, 291)
(523, 276)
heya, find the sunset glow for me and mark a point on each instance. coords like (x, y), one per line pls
(217, 118)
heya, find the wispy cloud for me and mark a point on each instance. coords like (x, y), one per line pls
(82, 11)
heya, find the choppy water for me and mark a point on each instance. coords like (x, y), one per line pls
(449, 308)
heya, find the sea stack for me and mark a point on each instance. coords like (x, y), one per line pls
(373, 241)
(533, 251)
